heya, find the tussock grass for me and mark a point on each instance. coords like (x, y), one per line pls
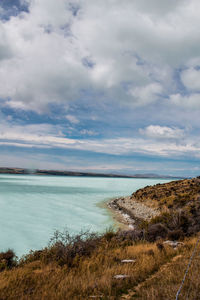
(175, 194)
(167, 280)
(93, 274)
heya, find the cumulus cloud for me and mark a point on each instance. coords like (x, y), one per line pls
(128, 51)
(162, 132)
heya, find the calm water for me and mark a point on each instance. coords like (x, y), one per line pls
(33, 207)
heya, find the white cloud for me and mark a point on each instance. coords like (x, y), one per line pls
(121, 146)
(42, 129)
(146, 94)
(47, 136)
(162, 132)
(191, 79)
(134, 42)
(188, 101)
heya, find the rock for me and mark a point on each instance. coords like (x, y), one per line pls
(128, 261)
(173, 244)
(131, 226)
(121, 276)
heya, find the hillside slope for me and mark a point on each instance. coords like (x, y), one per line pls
(178, 203)
(175, 194)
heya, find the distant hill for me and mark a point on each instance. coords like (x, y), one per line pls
(4, 170)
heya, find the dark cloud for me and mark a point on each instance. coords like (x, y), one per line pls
(11, 8)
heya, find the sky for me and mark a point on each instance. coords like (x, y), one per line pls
(100, 85)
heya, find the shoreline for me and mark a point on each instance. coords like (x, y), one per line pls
(128, 212)
(121, 216)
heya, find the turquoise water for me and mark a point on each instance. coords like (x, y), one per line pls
(33, 207)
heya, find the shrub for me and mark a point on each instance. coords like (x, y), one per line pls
(109, 234)
(156, 231)
(175, 234)
(64, 248)
(7, 260)
(164, 218)
(32, 256)
(130, 235)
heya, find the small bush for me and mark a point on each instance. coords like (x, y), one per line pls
(156, 231)
(175, 234)
(7, 260)
(164, 218)
(130, 235)
(109, 234)
(32, 256)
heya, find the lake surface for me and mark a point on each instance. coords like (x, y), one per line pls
(33, 207)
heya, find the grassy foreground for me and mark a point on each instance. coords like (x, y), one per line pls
(156, 273)
(85, 266)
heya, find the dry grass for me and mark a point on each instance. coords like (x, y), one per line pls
(175, 194)
(94, 275)
(167, 280)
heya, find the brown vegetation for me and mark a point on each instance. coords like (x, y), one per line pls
(179, 204)
(7, 260)
(175, 194)
(93, 274)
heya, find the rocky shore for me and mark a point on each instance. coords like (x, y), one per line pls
(129, 212)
